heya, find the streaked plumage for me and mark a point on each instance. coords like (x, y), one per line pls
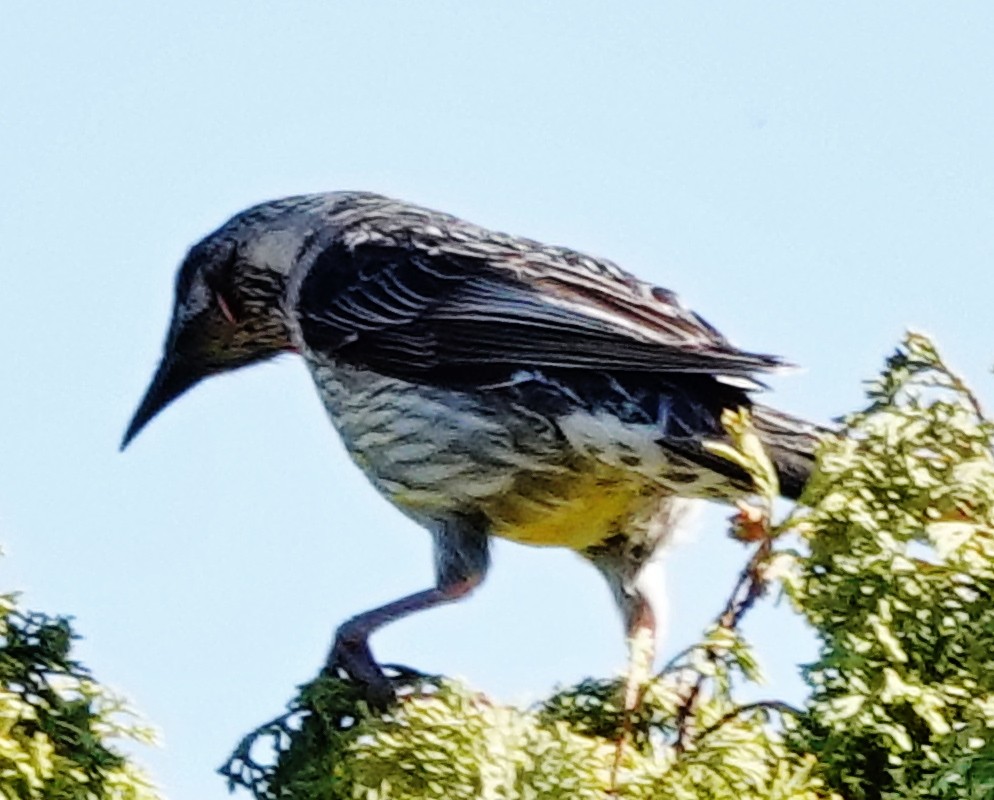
(486, 384)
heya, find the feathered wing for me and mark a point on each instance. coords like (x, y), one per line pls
(415, 293)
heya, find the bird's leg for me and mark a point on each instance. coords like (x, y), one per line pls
(641, 636)
(635, 576)
(351, 654)
(461, 561)
(640, 629)
(634, 572)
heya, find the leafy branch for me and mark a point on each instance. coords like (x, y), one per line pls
(894, 577)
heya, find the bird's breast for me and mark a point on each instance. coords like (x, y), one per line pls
(568, 481)
(581, 506)
(430, 451)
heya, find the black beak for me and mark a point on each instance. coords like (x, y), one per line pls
(173, 377)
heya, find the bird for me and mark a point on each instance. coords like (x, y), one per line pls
(488, 385)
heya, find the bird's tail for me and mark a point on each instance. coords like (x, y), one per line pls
(791, 444)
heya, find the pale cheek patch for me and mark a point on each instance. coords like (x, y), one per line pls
(272, 248)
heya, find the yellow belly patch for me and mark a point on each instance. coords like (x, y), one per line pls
(576, 509)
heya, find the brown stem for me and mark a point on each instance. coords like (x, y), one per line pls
(773, 705)
(748, 588)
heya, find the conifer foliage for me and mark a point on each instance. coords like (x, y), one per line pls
(895, 574)
(59, 727)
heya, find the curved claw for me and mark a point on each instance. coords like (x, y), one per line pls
(356, 662)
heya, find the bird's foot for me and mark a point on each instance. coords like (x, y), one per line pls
(352, 659)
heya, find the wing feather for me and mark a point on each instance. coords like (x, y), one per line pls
(413, 293)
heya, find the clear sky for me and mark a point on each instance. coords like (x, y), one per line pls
(811, 177)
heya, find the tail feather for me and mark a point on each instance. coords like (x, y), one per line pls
(791, 443)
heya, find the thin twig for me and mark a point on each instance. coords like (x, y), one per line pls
(748, 588)
(960, 386)
(772, 705)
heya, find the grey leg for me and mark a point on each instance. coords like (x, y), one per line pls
(640, 631)
(635, 577)
(461, 561)
(634, 573)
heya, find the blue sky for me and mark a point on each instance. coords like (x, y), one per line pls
(812, 178)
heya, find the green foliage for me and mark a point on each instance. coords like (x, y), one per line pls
(896, 578)
(444, 741)
(56, 723)
(899, 584)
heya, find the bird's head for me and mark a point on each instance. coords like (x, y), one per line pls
(227, 313)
